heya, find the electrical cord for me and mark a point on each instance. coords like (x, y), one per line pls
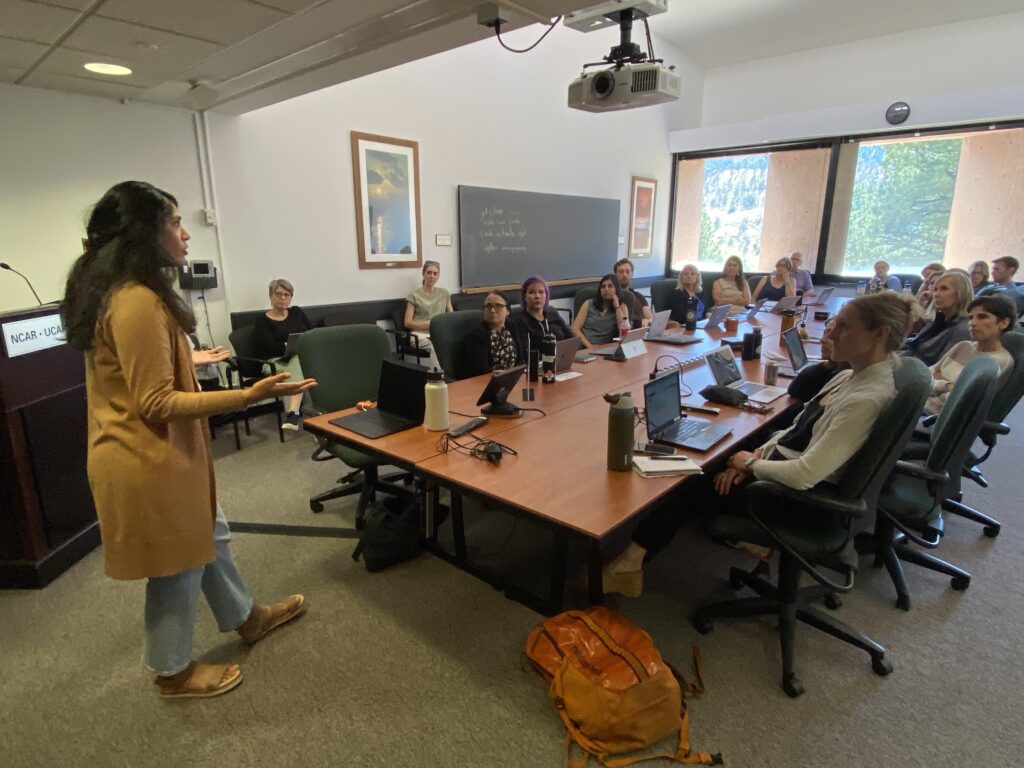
(537, 410)
(477, 448)
(675, 364)
(497, 32)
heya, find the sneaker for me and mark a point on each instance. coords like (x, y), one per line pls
(291, 421)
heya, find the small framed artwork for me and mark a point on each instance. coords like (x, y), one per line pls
(641, 217)
(386, 178)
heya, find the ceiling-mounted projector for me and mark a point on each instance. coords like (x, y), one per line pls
(632, 86)
(635, 79)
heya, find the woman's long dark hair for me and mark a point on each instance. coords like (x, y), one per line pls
(123, 245)
(603, 305)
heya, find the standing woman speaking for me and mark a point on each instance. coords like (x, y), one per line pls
(150, 465)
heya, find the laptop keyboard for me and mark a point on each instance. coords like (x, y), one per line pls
(685, 429)
(750, 388)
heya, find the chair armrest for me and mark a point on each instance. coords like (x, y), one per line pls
(916, 450)
(812, 499)
(921, 472)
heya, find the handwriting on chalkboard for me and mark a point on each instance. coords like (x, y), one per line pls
(502, 231)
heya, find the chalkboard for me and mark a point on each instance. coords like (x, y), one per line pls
(506, 235)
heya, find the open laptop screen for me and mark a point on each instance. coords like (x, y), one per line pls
(661, 398)
(401, 388)
(795, 348)
(723, 366)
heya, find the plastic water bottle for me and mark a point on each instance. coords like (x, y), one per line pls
(435, 395)
(862, 287)
(907, 290)
(620, 431)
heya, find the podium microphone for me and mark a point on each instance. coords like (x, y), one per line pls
(12, 269)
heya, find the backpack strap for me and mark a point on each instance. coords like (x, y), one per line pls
(690, 690)
(623, 653)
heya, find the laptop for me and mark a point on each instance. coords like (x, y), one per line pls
(656, 331)
(749, 314)
(786, 302)
(400, 402)
(797, 354)
(630, 345)
(292, 347)
(821, 298)
(565, 353)
(718, 316)
(666, 422)
(727, 373)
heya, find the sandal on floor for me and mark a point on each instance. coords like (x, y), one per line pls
(200, 681)
(625, 583)
(266, 618)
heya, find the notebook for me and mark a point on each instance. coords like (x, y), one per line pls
(648, 466)
(400, 402)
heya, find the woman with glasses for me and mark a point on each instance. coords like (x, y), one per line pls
(491, 346)
(272, 331)
(778, 284)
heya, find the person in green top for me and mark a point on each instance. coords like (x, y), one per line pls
(422, 304)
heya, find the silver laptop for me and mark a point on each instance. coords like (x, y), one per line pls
(821, 298)
(797, 354)
(666, 422)
(565, 353)
(656, 331)
(749, 314)
(786, 302)
(727, 373)
(630, 345)
(718, 316)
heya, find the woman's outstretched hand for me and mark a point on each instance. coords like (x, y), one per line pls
(277, 386)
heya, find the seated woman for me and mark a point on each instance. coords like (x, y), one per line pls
(980, 276)
(731, 287)
(272, 331)
(989, 317)
(422, 304)
(491, 346)
(535, 317)
(953, 293)
(882, 279)
(600, 318)
(688, 288)
(777, 284)
(828, 432)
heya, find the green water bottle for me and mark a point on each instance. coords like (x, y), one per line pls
(620, 431)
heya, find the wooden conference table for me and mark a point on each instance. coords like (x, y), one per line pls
(559, 475)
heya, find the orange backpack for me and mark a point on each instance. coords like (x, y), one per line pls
(613, 690)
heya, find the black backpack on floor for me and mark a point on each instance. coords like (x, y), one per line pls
(391, 535)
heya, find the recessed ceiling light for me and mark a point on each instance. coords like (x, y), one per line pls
(102, 68)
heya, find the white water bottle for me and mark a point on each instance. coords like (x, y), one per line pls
(907, 289)
(435, 395)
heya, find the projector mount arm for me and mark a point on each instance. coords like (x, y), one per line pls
(627, 52)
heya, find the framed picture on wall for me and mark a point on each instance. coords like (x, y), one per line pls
(641, 217)
(386, 178)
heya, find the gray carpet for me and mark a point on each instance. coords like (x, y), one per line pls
(421, 664)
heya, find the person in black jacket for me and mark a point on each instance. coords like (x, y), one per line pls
(272, 330)
(491, 346)
(536, 317)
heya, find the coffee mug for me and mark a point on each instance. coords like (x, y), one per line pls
(732, 325)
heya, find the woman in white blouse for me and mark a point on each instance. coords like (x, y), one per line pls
(825, 436)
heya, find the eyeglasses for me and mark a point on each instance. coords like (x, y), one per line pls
(495, 307)
(283, 294)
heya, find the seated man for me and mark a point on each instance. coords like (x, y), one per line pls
(642, 316)
(1003, 270)
(801, 275)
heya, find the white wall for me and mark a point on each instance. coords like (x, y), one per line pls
(58, 154)
(482, 116)
(962, 72)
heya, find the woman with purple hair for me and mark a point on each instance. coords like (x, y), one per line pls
(535, 317)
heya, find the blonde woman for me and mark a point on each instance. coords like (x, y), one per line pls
(731, 287)
(953, 292)
(688, 288)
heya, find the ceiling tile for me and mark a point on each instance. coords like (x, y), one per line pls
(19, 53)
(294, 6)
(121, 43)
(74, 5)
(225, 22)
(81, 85)
(9, 74)
(71, 63)
(31, 21)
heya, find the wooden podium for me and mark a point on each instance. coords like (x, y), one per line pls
(47, 516)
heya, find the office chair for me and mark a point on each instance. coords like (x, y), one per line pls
(661, 290)
(447, 333)
(346, 361)
(910, 503)
(249, 368)
(817, 528)
(407, 343)
(1004, 401)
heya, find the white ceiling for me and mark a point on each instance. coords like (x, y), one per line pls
(246, 54)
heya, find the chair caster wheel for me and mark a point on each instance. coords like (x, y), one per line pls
(792, 687)
(316, 506)
(903, 602)
(960, 583)
(833, 601)
(702, 626)
(881, 666)
(991, 530)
